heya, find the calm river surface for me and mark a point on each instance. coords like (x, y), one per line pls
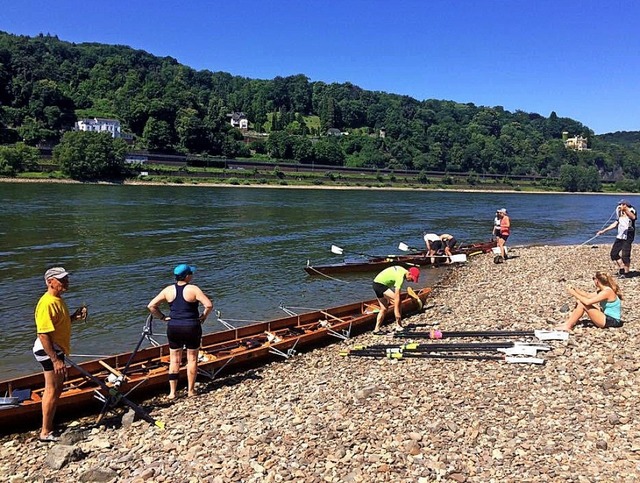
(250, 247)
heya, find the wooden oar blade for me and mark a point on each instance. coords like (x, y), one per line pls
(415, 296)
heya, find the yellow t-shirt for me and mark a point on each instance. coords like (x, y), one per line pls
(52, 317)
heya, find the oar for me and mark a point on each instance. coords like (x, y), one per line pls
(339, 251)
(415, 296)
(114, 396)
(406, 248)
(444, 346)
(506, 347)
(480, 357)
(436, 334)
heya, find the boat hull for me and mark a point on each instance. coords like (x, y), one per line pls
(380, 263)
(221, 352)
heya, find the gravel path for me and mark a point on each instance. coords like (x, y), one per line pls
(322, 417)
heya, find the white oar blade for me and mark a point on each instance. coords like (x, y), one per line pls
(336, 250)
(403, 246)
(519, 351)
(538, 347)
(551, 335)
(523, 360)
(459, 258)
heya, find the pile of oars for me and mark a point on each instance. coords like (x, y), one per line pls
(437, 334)
(509, 351)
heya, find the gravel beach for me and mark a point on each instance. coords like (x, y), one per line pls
(323, 417)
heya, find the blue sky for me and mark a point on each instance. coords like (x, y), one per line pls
(579, 59)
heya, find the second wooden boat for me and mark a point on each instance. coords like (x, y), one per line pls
(418, 258)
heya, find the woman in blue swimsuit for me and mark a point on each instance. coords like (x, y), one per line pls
(603, 307)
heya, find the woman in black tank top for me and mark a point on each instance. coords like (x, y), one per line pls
(184, 327)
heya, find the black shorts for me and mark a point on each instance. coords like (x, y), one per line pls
(611, 322)
(379, 289)
(450, 243)
(621, 249)
(436, 245)
(47, 364)
(184, 336)
(504, 237)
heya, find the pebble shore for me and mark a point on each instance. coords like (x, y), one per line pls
(323, 417)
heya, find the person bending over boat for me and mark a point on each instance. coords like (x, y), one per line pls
(439, 245)
(53, 325)
(184, 328)
(434, 246)
(448, 242)
(387, 286)
(603, 307)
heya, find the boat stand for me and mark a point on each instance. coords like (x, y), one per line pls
(212, 376)
(290, 352)
(343, 335)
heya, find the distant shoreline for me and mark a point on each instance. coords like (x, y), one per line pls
(314, 187)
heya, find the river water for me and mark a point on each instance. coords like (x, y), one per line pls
(250, 246)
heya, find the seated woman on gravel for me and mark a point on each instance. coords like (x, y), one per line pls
(603, 307)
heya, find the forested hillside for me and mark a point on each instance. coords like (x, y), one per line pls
(47, 84)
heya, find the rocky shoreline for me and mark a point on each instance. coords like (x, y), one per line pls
(323, 417)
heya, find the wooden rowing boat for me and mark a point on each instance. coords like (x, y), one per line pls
(419, 258)
(225, 351)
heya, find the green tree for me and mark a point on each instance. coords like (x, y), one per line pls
(280, 145)
(158, 135)
(328, 151)
(85, 155)
(18, 158)
(579, 178)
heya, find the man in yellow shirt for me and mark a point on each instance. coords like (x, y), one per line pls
(387, 286)
(53, 325)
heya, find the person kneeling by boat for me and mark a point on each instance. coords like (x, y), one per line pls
(184, 328)
(603, 307)
(387, 286)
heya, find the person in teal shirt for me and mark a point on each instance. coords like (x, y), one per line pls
(387, 286)
(603, 306)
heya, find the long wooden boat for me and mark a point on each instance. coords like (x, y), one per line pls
(378, 263)
(222, 352)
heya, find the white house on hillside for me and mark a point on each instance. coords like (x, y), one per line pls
(577, 143)
(239, 120)
(98, 124)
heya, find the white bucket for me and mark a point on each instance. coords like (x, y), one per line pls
(496, 251)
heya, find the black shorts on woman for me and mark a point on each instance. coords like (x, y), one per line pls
(187, 334)
(610, 322)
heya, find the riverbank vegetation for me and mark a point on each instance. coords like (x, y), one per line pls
(165, 107)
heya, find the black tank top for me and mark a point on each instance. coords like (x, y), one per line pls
(182, 311)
